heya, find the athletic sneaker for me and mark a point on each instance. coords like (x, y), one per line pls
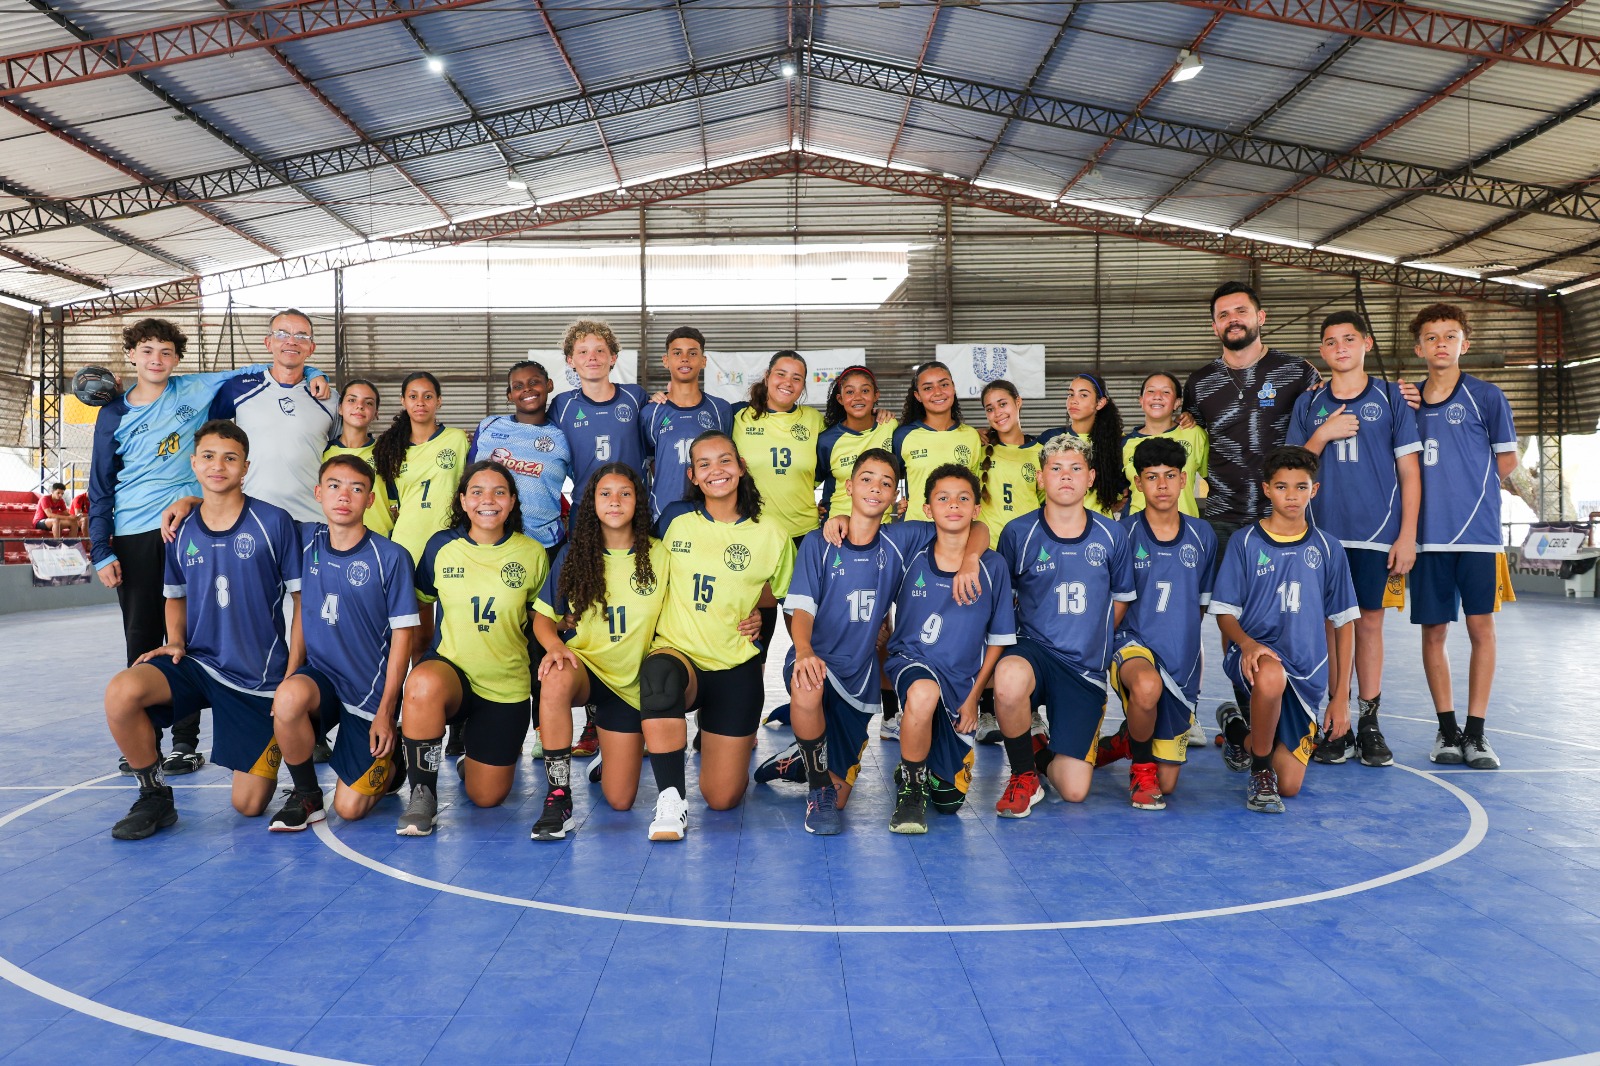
(1446, 750)
(787, 765)
(1374, 749)
(420, 815)
(1478, 754)
(1332, 751)
(672, 816)
(556, 821)
(1023, 792)
(125, 769)
(321, 751)
(1234, 755)
(822, 812)
(910, 808)
(588, 742)
(1039, 727)
(594, 769)
(181, 762)
(1144, 787)
(988, 729)
(536, 746)
(889, 728)
(151, 812)
(1113, 748)
(455, 739)
(299, 811)
(1262, 793)
(778, 719)
(1197, 732)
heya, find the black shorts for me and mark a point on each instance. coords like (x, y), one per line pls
(611, 711)
(498, 729)
(729, 701)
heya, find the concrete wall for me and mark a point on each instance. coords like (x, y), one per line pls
(17, 592)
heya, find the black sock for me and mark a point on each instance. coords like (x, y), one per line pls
(890, 701)
(149, 778)
(422, 762)
(1235, 731)
(1241, 699)
(986, 701)
(1474, 726)
(1141, 750)
(558, 767)
(304, 776)
(1019, 752)
(1367, 712)
(915, 772)
(1448, 725)
(1042, 758)
(1260, 762)
(669, 771)
(814, 754)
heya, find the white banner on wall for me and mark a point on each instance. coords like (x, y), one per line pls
(730, 374)
(565, 378)
(972, 366)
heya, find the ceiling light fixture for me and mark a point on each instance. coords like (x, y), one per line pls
(788, 69)
(1189, 66)
(436, 64)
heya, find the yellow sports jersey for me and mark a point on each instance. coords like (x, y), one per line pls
(1012, 482)
(836, 458)
(612, 640)
(781, 451)
(429, 479)
(715, 574)
(921, 450)
(1195, 442)
(484, 593)
(377, 517)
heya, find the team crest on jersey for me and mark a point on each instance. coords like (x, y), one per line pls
(1455, 414)
(286, 404)
(358, 573)
(192, 556)
(1267, 395)
(244, 545)
(544, 444)
(623, 413)
(1263, 562)
(736, 556)
(707, 420)
(1371, 412)
(963, 455)
(513, 574)
(1030, 473)
(838, 560)
(642, 588)
(799, 432)
(1312, 556)
(1189, 556)
(1141, 558)
(1042, 563)
(447, 458)
(185, 413)
(1095, 555)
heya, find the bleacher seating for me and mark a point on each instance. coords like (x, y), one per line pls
(16, 525)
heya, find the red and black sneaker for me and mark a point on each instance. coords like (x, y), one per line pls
(1112, 749)
(1022, 793)
(588, 742)
(1144, 787)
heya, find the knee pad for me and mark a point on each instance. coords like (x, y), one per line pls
(663, 680)
(943, 796)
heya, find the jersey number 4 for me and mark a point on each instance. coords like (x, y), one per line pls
(483, 612)
(330, 609)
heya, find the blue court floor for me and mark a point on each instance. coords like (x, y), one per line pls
(1396, 915)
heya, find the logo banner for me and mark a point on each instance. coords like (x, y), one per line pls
(972, 366)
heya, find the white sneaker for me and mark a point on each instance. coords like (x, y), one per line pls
(672, 817)
(988, 729)
(889, 728)
(536, 746)
(594, 769)
(1039, 728)
(1197, 733)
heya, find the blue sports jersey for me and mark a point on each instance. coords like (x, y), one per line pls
(539, 458)
(1281, 592)
(847, 591)
(1173, 579)
(950, 638)
(1461, 439)
(234, 582)
(353, 601)
(1065, 587)
(1359, 501)
(289, 429)
(668, 432)
(600, 433)
(140, 463)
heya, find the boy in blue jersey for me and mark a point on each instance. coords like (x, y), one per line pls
(1368, 501)
(357, 648)
(1279, 580)
(1155, 669)
(228, 570)
(535, 451)
(600, 417)
(143, 441)
(1469, 446)
(671, 425)
(943, 652)
(1073, 574)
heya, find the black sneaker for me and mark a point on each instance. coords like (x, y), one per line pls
(556, 821)
(151, 812)
(1234, 756)
(182, 761)
(1331, 751)
(299, 810)
(910, 808)
(455, 741)
(1374, 749)
(321, 751)
(786, 765)
(125, 769)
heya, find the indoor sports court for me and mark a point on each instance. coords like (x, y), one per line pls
(427, 198)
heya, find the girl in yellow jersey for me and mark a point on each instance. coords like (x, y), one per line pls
(931, 434)
(1160, 397)
(851, 424)
(606, 587)
(1009, 469)
(358, 406)
(1094, 417)
(722, 552)
(484, 573)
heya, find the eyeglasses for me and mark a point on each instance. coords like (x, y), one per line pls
(283, 335)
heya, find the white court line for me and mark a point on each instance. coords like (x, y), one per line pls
(26, 981)
(1546, 770)
(1477, 829)
(1508, 732)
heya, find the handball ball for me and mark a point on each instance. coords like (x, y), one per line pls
(95, 386)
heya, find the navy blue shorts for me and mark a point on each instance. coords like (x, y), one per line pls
(1369, 572)
(844, 725)
(1445, 585)
(1297, 724)
(1170, 741)
(352, 759)
(950, 755)
(1074, 705)
(498, 729)
(241, 722)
